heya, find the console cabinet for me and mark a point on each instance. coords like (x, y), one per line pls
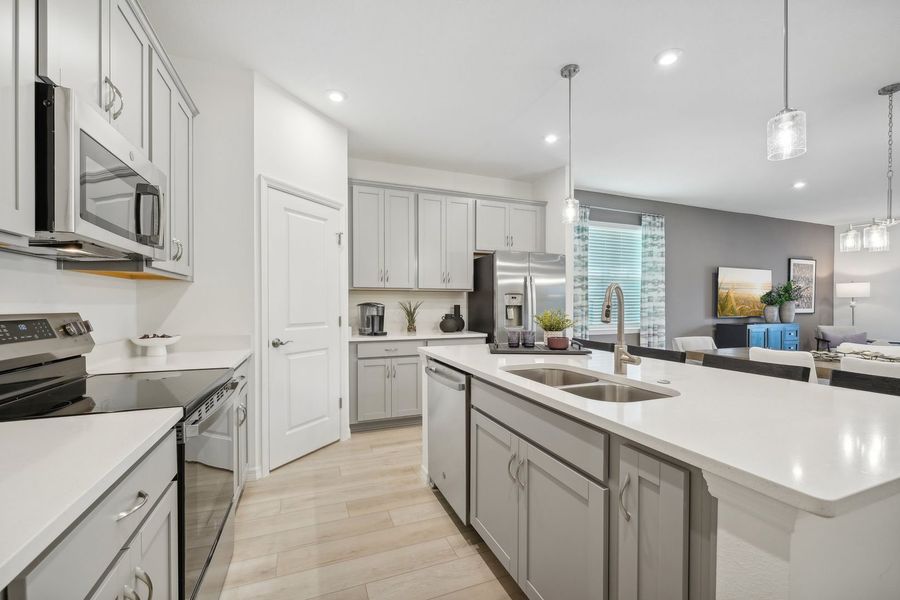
(775, 336)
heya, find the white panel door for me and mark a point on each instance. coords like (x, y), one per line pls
(491, 225)
(460, 242)
(129, 52)
(399, 239)
(303, 271)
(432, 273)
(368, 242)
(525, 226)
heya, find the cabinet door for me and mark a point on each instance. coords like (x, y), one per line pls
(526, 228)
(73, 50)
(119, 579)
(405, 386)
(432, 273)
(368, 237)
(653, 522)
(373, 389)
(459, 236)
(756, 337)
(182, 186)
(129, 58)
(156, 550)
(162, 96)
(17, 62)
(494, 503)
(774, 337)
(399, 239)
(562, 530)
(491, 224)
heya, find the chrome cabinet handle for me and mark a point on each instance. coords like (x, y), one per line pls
(622, 497)
(387, 276)
(179, 249)
(144, 577)
(118, 113)
(512, 241)
(509, 466)
(522, 482)
(277, 343)
(394, 372)
(130, 594)
(380, 275)
(242, 411)
(112, 95)
(142, 498)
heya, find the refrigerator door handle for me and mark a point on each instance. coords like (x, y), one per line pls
(529, 303)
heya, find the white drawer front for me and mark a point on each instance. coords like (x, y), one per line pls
(456, 342)
(78, 561)
(575, 443)
(388, 349)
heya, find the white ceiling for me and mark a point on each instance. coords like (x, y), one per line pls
(473, 86)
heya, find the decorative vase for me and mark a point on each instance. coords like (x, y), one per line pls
(558, 343)
(448, 323)
(787, 311)
(552, 334)
(771, 313)
(411, 328)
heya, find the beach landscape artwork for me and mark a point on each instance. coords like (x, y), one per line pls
(739, 291)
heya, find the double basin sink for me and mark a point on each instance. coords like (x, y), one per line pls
(590, 386)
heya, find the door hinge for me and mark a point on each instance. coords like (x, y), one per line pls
(340, 320)
(340, 402)
(340, 237)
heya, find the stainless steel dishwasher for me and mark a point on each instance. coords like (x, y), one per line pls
(448, 435)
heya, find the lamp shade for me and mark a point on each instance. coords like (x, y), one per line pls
(853, 290)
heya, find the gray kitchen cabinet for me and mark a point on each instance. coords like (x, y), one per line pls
(653, 517)
(155, 550)
(504, 225)
(242, 427)
(373, 384)
(17, 42)
(405, 383)
(446, 228)
(129, 57)
(383, 238)
(493, 507)
(562, 529)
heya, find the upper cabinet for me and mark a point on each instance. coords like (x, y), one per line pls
(17, 49)
(503, 225)
(128, 78)
(446, 242)
(383, 238)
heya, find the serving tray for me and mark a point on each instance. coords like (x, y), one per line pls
(538, 349)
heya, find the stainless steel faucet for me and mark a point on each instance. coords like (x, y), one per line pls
(621, 356)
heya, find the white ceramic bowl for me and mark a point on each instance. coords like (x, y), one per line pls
(155, 346)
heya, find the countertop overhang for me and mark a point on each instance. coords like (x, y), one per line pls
(817, 448)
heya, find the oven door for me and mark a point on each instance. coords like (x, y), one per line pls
(208, 485)
(94, 184)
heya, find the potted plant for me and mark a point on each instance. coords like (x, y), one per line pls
(772, 300)
(554, 323)
(789, 293)
(410, 311)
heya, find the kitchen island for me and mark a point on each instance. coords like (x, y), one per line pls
(805, 478)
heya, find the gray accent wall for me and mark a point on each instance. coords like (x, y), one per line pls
(698, 240)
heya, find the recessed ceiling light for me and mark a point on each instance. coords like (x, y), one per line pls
(551, 138)
(799, 185)
(669, 57)
(337, 96)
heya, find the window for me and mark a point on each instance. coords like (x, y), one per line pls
(614, 255)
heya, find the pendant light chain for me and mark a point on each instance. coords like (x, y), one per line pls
(890, 169)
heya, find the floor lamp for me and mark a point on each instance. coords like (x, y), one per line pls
(853, 291)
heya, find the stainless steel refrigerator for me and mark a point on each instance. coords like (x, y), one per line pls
(512, 287)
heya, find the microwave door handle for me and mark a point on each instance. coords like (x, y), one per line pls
(138, 213)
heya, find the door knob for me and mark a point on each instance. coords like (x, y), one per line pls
(277, 343)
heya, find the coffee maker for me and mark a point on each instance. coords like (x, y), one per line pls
(371, 318)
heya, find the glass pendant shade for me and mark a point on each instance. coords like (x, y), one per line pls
(876, 238)
(786, 135)
(850, 241)
(570, 210)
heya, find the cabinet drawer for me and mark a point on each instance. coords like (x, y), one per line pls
(388, 349)
(80, 559)
(575, 443)
(456, 342)
(791, 334)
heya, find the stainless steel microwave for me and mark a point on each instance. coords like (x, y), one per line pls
(96, 194)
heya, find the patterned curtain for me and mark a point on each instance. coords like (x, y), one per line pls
(653, 281)
(580, 268)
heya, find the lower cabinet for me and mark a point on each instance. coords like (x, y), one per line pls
(387, 387)
(242, 427)
(653, 523)
(544, 521)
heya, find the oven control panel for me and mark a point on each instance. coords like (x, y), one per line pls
(25, 330)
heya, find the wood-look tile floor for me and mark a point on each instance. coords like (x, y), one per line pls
(354, 521)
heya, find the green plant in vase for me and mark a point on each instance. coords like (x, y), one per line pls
(410, 311)
(554, 323)
(789, 294)
(771, 300)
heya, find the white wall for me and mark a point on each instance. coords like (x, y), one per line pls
(435, 305)
(551, 187)
(878, 315)
(220, 300)
(372, 170)
(34, 285)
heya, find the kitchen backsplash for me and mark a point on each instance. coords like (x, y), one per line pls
(435, 306)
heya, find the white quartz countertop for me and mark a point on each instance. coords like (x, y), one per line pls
(173, 361)
(52, 470)
(423, 335)
(822, 449)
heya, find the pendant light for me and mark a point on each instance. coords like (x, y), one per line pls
(786, 131)
(570, 205)
(876, 237)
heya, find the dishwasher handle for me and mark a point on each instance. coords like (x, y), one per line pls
(444, 380)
